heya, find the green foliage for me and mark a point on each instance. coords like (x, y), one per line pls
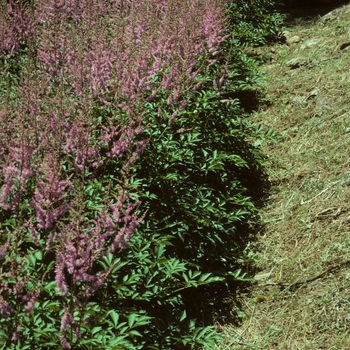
(198, 181)
(249, 24)
(253, 23)
(153, 283)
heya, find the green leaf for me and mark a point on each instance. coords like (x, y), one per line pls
(96, 330)
(38, 255)
(183, 316)
(204, 277)
(131, 319)
(114, 316)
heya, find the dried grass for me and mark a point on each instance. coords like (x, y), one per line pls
(307, 218)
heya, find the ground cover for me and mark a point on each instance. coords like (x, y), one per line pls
(299, 297)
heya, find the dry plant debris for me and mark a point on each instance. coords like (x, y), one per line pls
(301, 296)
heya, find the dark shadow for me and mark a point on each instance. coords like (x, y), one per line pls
(249, 100)
(307, 11)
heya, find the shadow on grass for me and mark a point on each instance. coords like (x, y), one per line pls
(307, 11)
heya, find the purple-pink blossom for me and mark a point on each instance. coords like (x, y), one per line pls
(69, 142)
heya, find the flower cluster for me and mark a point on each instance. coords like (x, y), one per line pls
(16, 26)
(69, 139)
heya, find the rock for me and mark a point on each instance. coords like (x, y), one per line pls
(309, 43)
(293, 39)
(297, 101)
(289, 38)
(286, 34)
(330, 16)
(262, 276)
(312, 94)
(297, 62)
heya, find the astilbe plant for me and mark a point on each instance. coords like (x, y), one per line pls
(15, 26)
(72, 128)
(53, 148)
(200, 174)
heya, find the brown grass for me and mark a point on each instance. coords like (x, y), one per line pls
(301, 299)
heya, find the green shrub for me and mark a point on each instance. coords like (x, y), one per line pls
(198, 181)
(254, 22)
